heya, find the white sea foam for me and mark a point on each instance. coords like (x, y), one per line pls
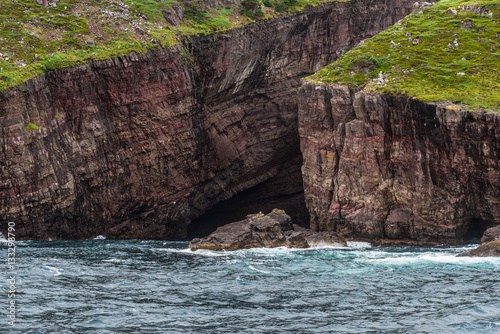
(261, 271)
(56, 271)
(112, 260)
(321, 245)
(358, 244)
(202, 252)
(415, 258)
(100, 237)
(242, 252)
(453, 259)
(2, 238)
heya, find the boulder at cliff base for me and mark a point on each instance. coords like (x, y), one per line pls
(272, 230)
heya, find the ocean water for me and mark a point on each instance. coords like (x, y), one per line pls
(110, 286)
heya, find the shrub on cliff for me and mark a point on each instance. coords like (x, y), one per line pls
(286, 5)
(252, 9)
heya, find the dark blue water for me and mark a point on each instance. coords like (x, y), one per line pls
(104, 286)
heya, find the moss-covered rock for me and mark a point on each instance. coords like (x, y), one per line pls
(447, 52)
(485, 250)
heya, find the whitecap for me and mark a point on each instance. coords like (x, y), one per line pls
(112, 260)
(321, 245)
(414, 258)
(100, 237)
(202, 252)
(453, 259)
(359, 244)
(56, 271)
(261, 271)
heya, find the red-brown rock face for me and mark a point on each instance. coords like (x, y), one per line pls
(391, 167)
(138, 146)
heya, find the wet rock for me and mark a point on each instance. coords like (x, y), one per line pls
(490, 249)
(272, 230)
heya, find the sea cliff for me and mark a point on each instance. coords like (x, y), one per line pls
(139, 146)
(381, 166)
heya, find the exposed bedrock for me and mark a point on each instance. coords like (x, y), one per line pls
(139, 146)
(389, 167)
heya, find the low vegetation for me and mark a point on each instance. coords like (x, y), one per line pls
(36, 38)
(447, 52)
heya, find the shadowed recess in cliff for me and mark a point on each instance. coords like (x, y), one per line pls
(285, 191)
(476, 229)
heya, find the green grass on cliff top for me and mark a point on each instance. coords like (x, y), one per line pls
(448, 52)
(35, 39)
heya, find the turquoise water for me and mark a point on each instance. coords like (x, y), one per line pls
(108, 286)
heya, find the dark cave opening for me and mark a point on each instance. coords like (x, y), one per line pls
(284, 192)
(475, 231)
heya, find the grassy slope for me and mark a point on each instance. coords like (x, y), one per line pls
(448, 52)
(35, 39)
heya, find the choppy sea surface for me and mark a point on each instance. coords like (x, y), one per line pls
(110, 286)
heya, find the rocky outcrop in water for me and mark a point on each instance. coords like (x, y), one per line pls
(391, 167)
(272, 230)
(139, 146)
(489, 249)
(490, 244)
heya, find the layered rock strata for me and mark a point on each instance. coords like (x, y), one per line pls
(391, 167)
(272, 230)
(139, 146)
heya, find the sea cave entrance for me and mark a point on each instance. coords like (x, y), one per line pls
(475, 230)
(286, 193)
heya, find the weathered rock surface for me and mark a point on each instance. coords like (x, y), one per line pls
(174, 14)
(390, 167)
(491, 234)
(489, 249)
(272, 230)
(139, 146)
